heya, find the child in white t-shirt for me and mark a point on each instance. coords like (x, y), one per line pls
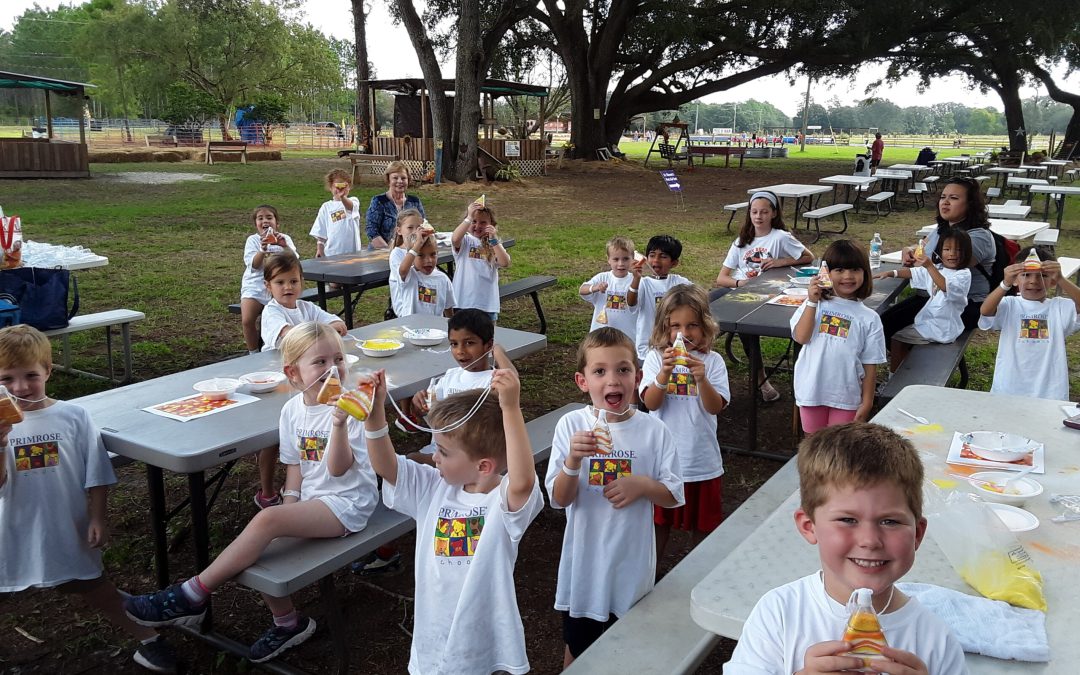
(842, 340)
(337, 227)
(478, 257)
(608, 292)
(54, 483)
(425, 289)
(860, 487)
(661, 255)
(285, 281)
(939, 320)
(686, 390)
(329, 492)
(1031, 358)
(408, 221)
(609, 466)
(267, 239)
(470, 518)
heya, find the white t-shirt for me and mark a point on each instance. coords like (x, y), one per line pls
(466, 618)
(608, 559)
(52, 458)
(303, 434)
(275, 317)
(476, 281)
(1031, 358)
(611, 307)
(745, 262)
(396, 256)
(425, 293)
(338, 226)
(830, 370)
(252, 284)
(457, 380)
(788, 620)
(650, 291)
(939, 319)
(684, 414)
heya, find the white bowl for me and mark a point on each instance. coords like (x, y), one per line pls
(425, 337)
(351, 360)
(797, 292)
(998, 446)
(381, 347)
(1025, 488)
(801, 281)
(262, 381)
(1016, 519)
(217, 388)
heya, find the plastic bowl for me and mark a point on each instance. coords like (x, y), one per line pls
(217, 388)
(998, 446)
(380, 347)
(1025, 488)
(801, 281)
(425, 337)
(262, 381)
(809, 271)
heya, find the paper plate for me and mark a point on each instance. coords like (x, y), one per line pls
(351, 360)
(425, 337)
(797, 292)
(381, 347)
(262, 381)
(1016, 519)
(801, 281)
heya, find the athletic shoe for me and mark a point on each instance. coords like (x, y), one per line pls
(157, 656)
(279, 639)
(373, 565)
(768, 392)
(408, 423)
(264, 502)
(168, 607)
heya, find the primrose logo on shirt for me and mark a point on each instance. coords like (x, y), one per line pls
(36, 456)
(834, 324)
(457, 537)
(1034, 328)
(428, 295)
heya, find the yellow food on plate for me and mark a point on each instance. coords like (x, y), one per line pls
(378, 345)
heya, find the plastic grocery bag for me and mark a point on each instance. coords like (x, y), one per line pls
(982, 550)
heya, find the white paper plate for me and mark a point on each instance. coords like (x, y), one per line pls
(798, 292)
(801, 281)
(381, 347)
(425, 337)
(262, 381)
(351, 360)
(1016, 519)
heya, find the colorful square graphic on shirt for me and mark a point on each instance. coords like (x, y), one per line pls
(1035, 328)
(682, 384)
(604, 470)
(456, 537)
(37, 456)
(337, 215)
(428, 295)
(832, 324)
(312, 448)
(616, 301)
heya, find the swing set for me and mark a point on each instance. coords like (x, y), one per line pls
(662, 145)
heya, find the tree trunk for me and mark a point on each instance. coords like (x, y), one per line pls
(223, 122)
(588, 100)
(1009, 81)
(429, 66)
(363, 73)
(466, 120)
(1072, 131)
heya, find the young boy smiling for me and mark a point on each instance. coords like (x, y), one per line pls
(861, 505)
(662, 254)
(608, 559)
(608, 292)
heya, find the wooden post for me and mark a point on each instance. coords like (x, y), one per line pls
(82, 120)
(48, 114)
(423, 114)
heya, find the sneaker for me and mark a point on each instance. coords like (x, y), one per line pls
(408, 423)
(768, 392)
(373, 565)
(157, 656)
(264, 502)
(168, 607)
(279, 639)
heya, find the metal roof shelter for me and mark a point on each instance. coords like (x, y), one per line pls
(44, 157)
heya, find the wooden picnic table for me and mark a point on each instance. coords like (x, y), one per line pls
(725, 151)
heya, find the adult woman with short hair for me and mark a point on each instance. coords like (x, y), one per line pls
(383, 210)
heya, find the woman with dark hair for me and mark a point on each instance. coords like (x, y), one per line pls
(960, 205)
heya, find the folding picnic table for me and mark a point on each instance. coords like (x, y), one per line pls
(802, 194)
(1016, 230)
(1008, 211)
(1003, 171)
(848, 182)
(1062, 192)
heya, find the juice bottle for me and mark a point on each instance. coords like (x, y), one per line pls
(680, 350)
(359, 401)
(863, 629)
(10, 412)
(331, 387)
(824, 280)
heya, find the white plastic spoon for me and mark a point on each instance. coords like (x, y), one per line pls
(1006, 484)
(920, 420)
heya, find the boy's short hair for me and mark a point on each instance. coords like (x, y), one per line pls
(22, 345)
(475, 321)
(620, 243)
(844, 254)
(337, 176)
(487, 210)
(280, 263)
(604, 337)
(858, 455)
(482, 436)
(1043, 252)
(665, 243)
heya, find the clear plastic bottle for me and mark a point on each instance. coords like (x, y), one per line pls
(863, 629)
(680, 350)
(875, 251)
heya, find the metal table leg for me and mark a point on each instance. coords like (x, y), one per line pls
(158, 521)
(200, 527)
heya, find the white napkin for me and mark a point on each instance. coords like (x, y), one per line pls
(984, 626)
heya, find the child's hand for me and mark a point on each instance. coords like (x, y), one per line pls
(907, 256)
(340, 327)
(924, 261)
(378, 378)
(825, 657)
(97, 534)
(341, 418)
(505, 383)
(637, 267)
(899, 662)
(668, 363)
(319, 250)
(883, 275)
(697, 368)
(419, 401)
(412, 240)
(623, 492)
(599, 287)
(1012, 272)
(814, 291)
(1051, 271)
(582, 445)
(469, 210)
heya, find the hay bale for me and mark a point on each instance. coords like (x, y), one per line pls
(169, 156)
(264, 155)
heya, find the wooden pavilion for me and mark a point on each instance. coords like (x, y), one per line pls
(412, 142)
(47, 157)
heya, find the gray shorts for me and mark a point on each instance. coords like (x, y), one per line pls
(910, 336)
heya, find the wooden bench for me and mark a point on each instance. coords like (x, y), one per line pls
(734, 208)
(530, 286)
(373, 163)
(289, 564)
(227, 147)
(80, 322)
(931, 364)
(161, 140)
(824, 212)
(879, 197)
(309, 294)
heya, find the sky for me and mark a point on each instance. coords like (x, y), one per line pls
(392, 55)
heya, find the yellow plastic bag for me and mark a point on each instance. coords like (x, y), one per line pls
(982, 550)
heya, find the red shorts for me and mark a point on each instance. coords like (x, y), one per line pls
(703, 511)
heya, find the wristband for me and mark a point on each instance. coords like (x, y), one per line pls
(571, 472)
(895, 274)
(659, 385)
(1005, 287)
(414, 253)
(290, 493)
(811, 303)
(378, 433)
(493, 242)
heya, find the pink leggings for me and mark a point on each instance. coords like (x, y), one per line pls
(816, 417)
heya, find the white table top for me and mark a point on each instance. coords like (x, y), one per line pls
(1054, 162)
(1014, 180)
(1008, 211)
(1005, 169)
(1031, 167)
(908, 167)
(847, 180)
(893, 174)
(1055, 189)
(1069, 266)
(792, 190)
(722, 601)
(40, 254)
(201, 443)
(1017, 230)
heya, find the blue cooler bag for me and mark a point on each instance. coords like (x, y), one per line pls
(41, 295)
(9, 312)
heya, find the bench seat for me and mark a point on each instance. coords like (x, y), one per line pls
(235, 147)
(107, 319)
(1047, 238)
(824, 212)
(931, 364)
(734, 208)
(530, 286)
(877, 198)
